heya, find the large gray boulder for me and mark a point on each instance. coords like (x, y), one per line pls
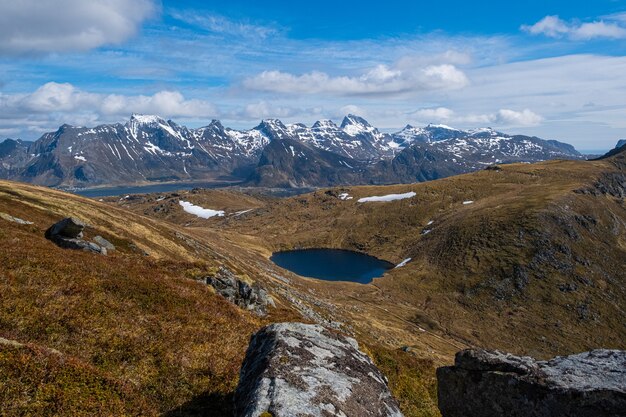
(486, 384)
(295, 369)
(68, 234)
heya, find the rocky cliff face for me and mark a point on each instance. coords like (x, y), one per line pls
(295, 369)
(290, 163)
(495, 384)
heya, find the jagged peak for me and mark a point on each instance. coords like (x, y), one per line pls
(216, 123)
(354, 120)
(271, 125)
(440, 126)
(620, 143)
(478, 130)
(324, 123)
(146, 118)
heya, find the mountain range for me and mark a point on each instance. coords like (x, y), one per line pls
(149, 149)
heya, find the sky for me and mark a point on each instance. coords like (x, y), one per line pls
(554, 69)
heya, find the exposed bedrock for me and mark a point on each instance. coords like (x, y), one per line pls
(295, 369)
(486, 384)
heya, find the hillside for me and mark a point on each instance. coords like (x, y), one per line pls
(524, 258)
(138, 332)
(533, 252)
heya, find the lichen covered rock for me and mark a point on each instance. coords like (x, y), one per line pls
(486, 384)
(249, 297)
(295, 369)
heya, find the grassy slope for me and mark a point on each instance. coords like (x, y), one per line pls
(134, 334)
(530, 266)
(130, 334)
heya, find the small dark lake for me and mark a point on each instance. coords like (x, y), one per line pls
(332, 264)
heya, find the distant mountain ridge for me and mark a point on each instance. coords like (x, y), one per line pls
(149, 148)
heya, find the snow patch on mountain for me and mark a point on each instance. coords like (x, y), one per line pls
(386, 198)
(200, 211)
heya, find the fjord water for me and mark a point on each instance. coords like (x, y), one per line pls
(145, 189)
(332, 264)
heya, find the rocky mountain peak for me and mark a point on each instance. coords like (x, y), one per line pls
(355, 125)
(273, 129)
(353, 120)
(324, 124)
(146, 119)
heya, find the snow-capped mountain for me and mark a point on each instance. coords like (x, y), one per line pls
(146, 148)
(355, 138)
(149, 148)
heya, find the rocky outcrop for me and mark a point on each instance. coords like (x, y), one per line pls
(68, 234)
(486, 384)
(249, 297)
(295, 369)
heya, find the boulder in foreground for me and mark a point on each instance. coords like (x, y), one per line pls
(490, 384)
(68, 234)
(295, 369)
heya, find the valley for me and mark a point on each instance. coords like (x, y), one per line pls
(526, 258)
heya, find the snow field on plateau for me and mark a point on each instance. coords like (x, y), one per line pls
(200, 211)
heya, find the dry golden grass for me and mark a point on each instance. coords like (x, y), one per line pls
(130, 329)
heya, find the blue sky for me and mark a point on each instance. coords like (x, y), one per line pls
(555, 69)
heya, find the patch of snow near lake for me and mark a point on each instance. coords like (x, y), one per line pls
(80, 158)
(160, 199)
(401, 264)
(200, 211)
(345, 196)
(468, 202)
(430, 222)
(388, 197)
(426, 231)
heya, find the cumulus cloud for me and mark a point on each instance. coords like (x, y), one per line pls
(380, 80)
(555, 27)
(43, 26)
(517, 118)
(439, 114)
(54, 103)
(502, 117)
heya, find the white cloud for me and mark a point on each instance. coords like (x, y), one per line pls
(517, 118)
(53, 104)
(43, 26)
(165, 103)
(439, 114)
(223, 26)
(380, 80)
(555, 27)
(502, 117)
